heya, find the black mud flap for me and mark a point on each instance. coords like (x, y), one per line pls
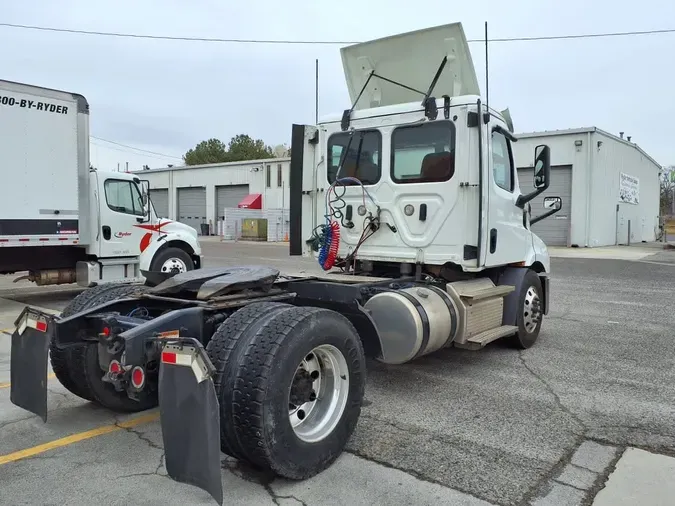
(190, 416)
(28, 362)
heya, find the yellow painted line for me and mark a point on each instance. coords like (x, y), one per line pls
(76, 438)
(7, 385)
(7, 331)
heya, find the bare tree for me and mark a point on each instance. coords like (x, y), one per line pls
(667, 188)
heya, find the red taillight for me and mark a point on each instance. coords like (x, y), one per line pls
(114, 367)
(41, 326)
(137, 377)
(106, 331)
(168, 357)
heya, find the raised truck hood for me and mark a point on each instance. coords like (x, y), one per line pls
(412, 59)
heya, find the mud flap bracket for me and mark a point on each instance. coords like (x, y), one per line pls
(190, 416)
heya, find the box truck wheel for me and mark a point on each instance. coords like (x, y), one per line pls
(172, 260)
(529, 312)
(296, 383)
(67, 364)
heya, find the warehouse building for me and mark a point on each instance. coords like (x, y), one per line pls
(608, 186)
(200, 194)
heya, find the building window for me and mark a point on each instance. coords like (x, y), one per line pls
(502, 162)
(268, 176)
(362, 159)
(279, 176)
(423, 153)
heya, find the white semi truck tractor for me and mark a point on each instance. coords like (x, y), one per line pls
(61, 221)
(409, 201)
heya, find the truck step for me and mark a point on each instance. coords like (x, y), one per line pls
(486, 293)
(486, 337)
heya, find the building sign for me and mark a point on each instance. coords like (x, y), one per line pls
(629, 189)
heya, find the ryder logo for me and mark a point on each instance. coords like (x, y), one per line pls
(119, 235)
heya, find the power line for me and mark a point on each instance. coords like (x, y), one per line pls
(137, 149)
(122, 150)
(326, 42)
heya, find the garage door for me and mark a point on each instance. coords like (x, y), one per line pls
(192, 207)
(160, 199)
(554, 230)
(229, 196)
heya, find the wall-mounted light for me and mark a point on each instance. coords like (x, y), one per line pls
(578, 142)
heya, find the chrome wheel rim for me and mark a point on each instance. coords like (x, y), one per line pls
(318, 394)
(531, 310)
(174, 265)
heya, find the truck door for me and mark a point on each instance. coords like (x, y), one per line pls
(506, 240)
(303, 190)
(121, 214)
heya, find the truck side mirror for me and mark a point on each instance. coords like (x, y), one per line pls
(542, 166)
(552, 203)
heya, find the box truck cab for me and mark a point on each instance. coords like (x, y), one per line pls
(127, 226)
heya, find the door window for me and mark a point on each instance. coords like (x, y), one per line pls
(423, 153)
(502, 162)
(123, 197)
(361, 160)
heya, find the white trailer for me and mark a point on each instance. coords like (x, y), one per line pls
(63, 221)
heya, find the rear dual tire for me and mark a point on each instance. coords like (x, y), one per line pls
(77, 368)
(290, 383)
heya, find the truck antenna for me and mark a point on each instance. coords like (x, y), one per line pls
(316, 93)
(487, 79)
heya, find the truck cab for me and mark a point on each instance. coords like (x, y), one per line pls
(419, 173)
(127, 234)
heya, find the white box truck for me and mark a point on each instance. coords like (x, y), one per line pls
(62, 221)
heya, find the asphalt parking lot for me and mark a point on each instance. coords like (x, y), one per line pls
(497, 426)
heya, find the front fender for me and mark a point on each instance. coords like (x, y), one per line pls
(157, 242)
(540, 252)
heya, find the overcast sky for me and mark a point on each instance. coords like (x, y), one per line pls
(166, 96)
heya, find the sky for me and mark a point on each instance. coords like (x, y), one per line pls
(152, 100)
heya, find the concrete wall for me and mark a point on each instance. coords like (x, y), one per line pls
(595, 192)
(253, 173)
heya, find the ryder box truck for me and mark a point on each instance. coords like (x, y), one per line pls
(62, 221)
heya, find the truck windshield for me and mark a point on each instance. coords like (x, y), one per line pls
(355, 154)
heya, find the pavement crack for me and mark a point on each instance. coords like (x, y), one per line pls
(161, 462)
(275, 497)
(555, 396)
(140, 436)
(265, 479)
(570, 485)
(59, 402)
(566, 316)
(552, 474)
(6, 424)
(635, 428)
